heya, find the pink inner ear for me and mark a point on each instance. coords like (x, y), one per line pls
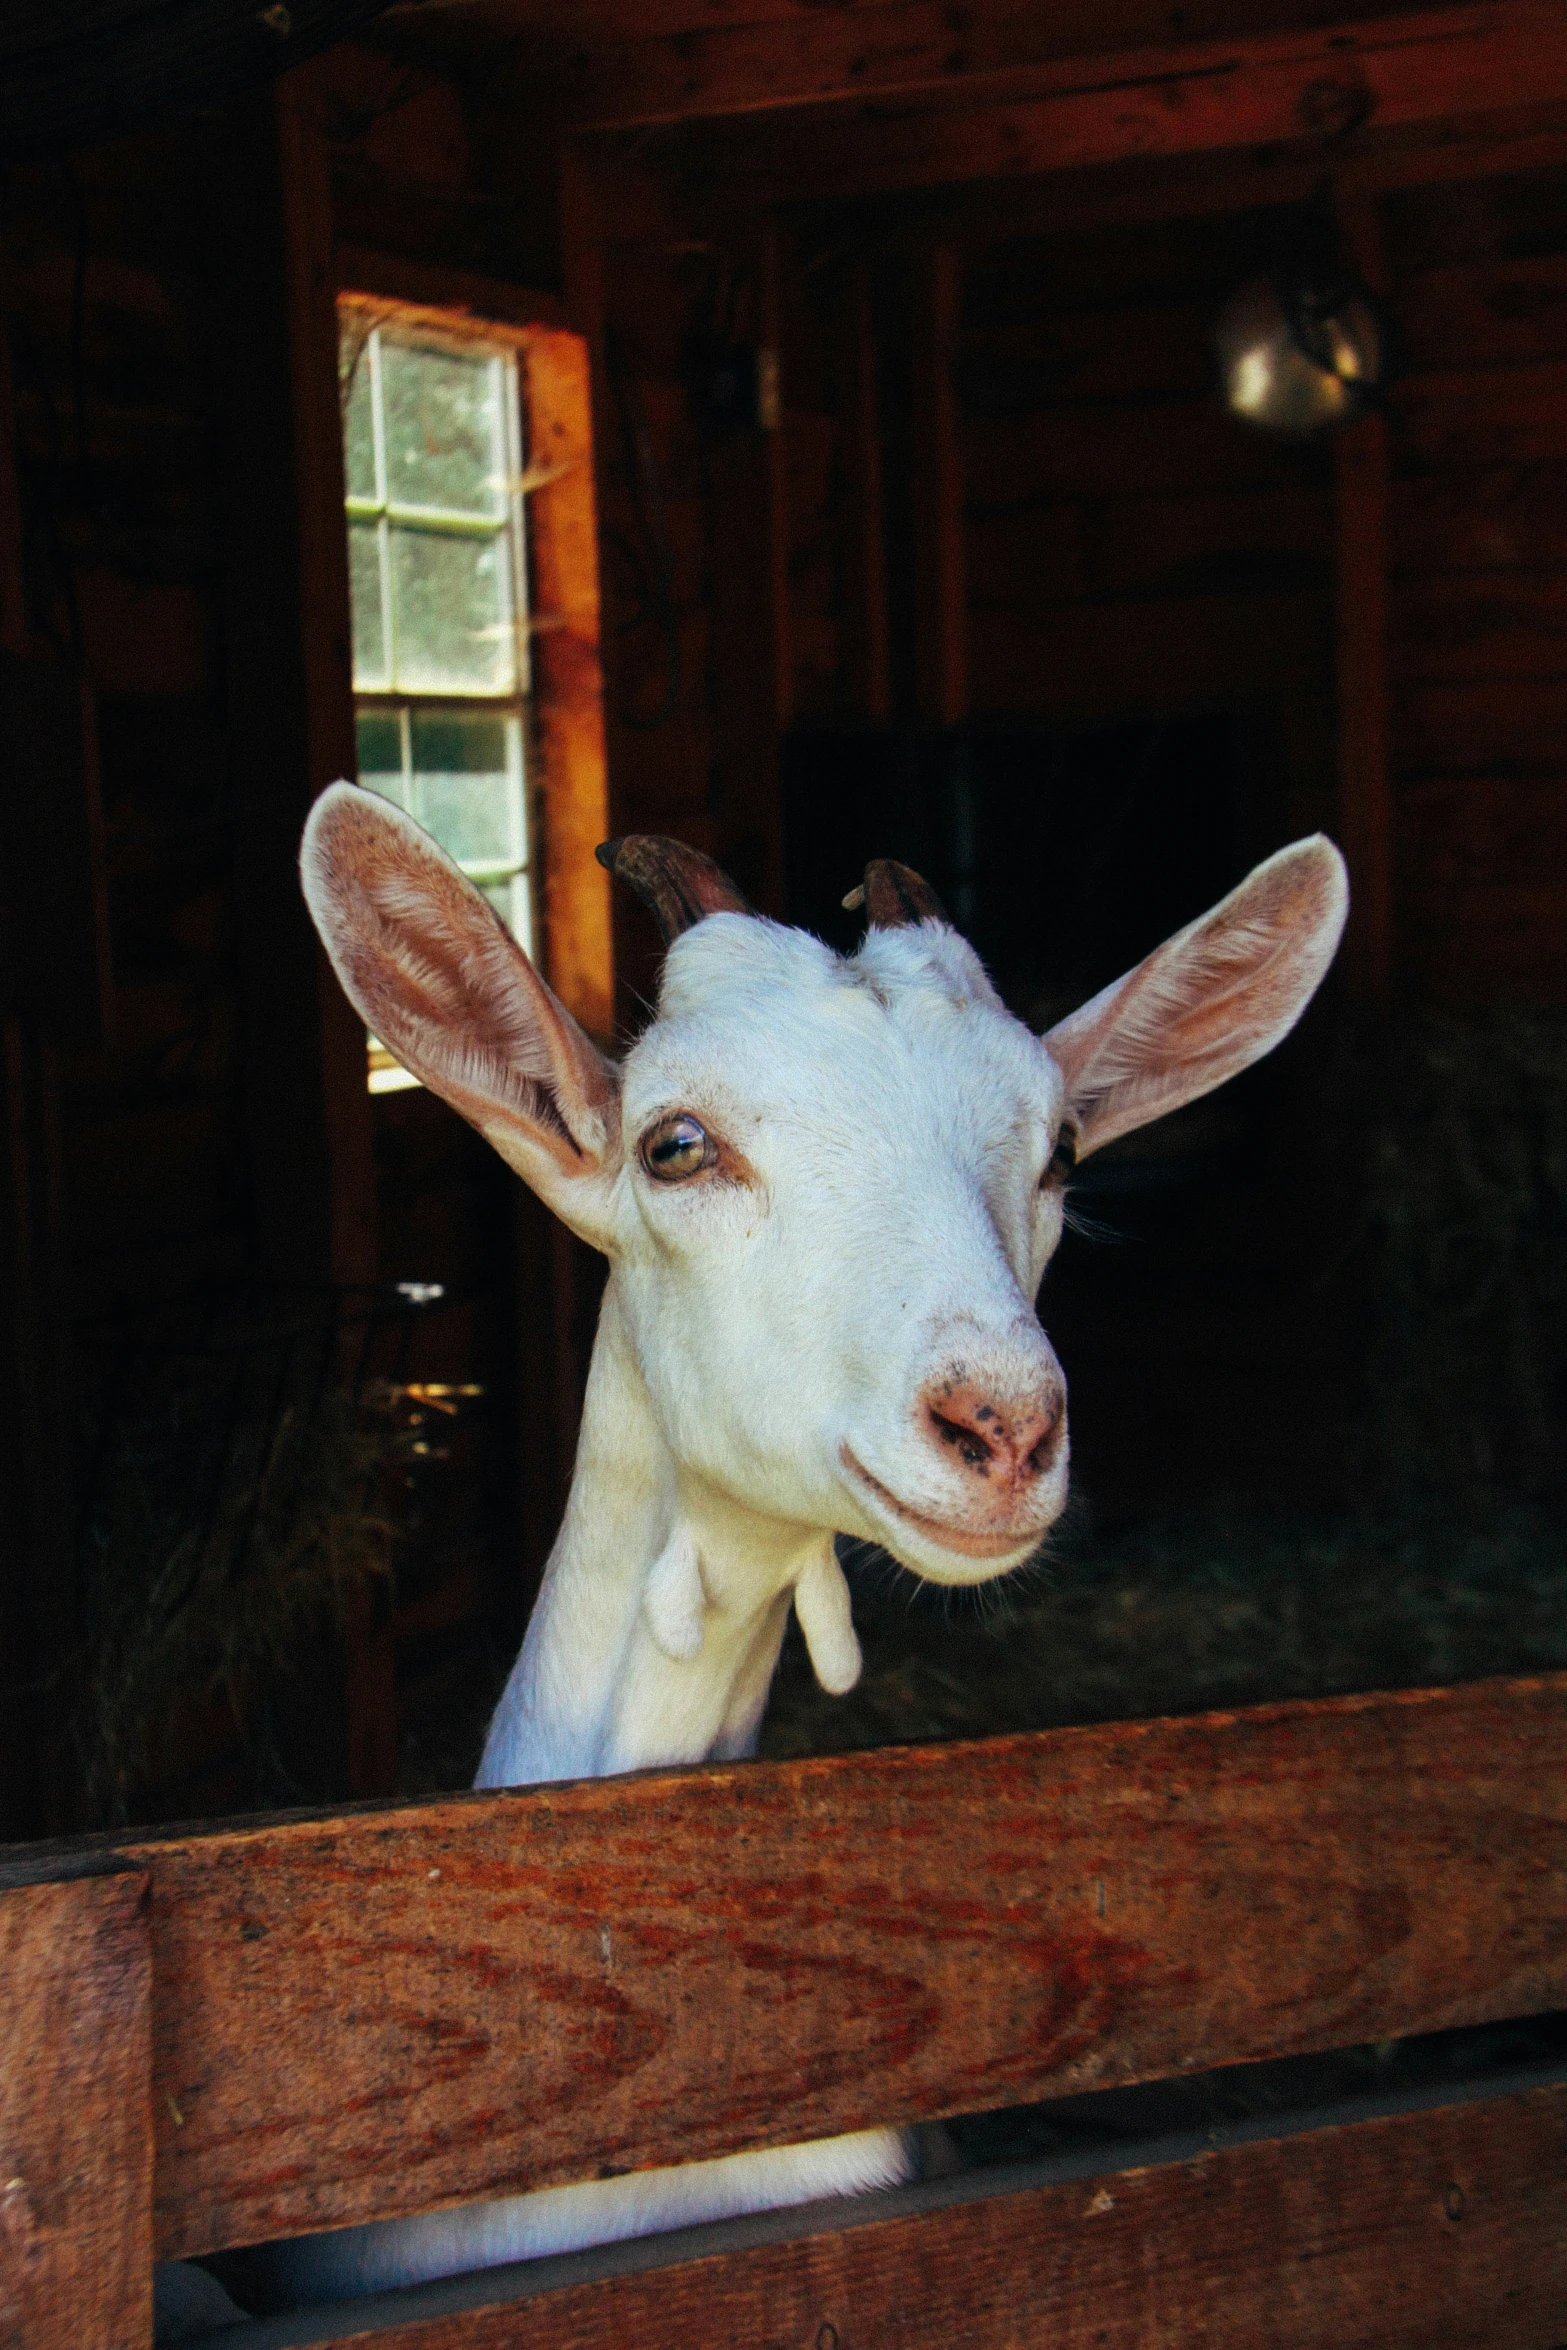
(429, 965)
(1209, 1002)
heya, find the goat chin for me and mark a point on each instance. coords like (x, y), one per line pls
(388, 2253)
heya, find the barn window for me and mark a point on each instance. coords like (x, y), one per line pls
(433, 450)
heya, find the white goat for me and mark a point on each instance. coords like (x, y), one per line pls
(828, 1189)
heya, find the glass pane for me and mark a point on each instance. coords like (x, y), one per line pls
(380, 738)
(453, 629)
(443, 437)
(468, 791)
(358, 414)
(364, 587)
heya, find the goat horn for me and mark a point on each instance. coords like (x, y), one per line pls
(894, 894)
(678, 885)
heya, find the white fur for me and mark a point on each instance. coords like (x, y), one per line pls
(771, 1335)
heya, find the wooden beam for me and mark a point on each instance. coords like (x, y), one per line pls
(750, 1953)
(568, 678)
(772, 399)
(1183, 187)
(869, 643)
(1400, 2230)
(639, 73)
(331, 752)
(1315, 86)
(1360, 486)
(75, 2118)
(289, 690)
(362, 270)
(940, 593)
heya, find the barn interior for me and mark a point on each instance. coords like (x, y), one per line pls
(871, 491)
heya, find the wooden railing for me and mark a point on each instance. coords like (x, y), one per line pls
(207, 2040)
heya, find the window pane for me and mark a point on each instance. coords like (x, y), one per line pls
(359, 415)
(453, 627)
(443, 440)
(468, 785)
(364, 587)
(380, 738)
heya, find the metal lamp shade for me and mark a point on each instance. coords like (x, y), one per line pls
(1298, 357)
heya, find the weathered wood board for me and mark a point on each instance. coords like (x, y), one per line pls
(1394, 2233)
(396, 2009)
(75, 2124)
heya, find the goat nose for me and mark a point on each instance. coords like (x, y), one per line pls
(1015, 1440)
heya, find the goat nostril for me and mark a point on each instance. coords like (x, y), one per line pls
(970, 1447)
(1044, 1450)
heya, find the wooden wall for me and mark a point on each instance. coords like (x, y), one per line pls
(1000, 493)
(1478, 648)
(109, 301)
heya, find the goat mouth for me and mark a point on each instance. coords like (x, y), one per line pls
(941, 1530)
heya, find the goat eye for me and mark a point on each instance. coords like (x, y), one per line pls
(677, 1147)
(1063, 1159)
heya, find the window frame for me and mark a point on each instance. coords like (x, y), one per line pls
(565, 750)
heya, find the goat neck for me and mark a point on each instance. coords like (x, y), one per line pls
(663, 1606)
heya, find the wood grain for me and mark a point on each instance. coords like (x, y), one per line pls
(569, 700)
(1246, 90)
(1365, 801)
(1392, 2234)
(502, 1991)
(644, 72)
(1480, 726)
(75, 2126)
(940, 601)
(1151, 656)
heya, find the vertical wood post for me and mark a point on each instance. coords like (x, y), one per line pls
(775, 457)
(870, 651)
(940, 584)
(330, 747)
(54, 982)
(751, 663)
(1361, 637)
(289, 716)
(76, 2139)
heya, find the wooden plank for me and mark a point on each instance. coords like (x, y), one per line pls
(75, 2122)
(287, 685)
(1365, 800)
(1146, 657)
(363, 270)
(1500, 312)
(870, 644)
(1200, 186)
(1390, 72)
(1511, 516)
(1483, 831)
(1482, 417)
(1165, 545)
(325, 631)
(1493, 944)
(1505, 624)
(773, 394)
(940, 600)
(1144, 448)
(772, 59)
(568, 679)
(1480, 726)
(746, 1954)
(1387, 2233)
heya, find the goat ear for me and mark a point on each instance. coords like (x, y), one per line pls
(429, 966)
(1209, 1002)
